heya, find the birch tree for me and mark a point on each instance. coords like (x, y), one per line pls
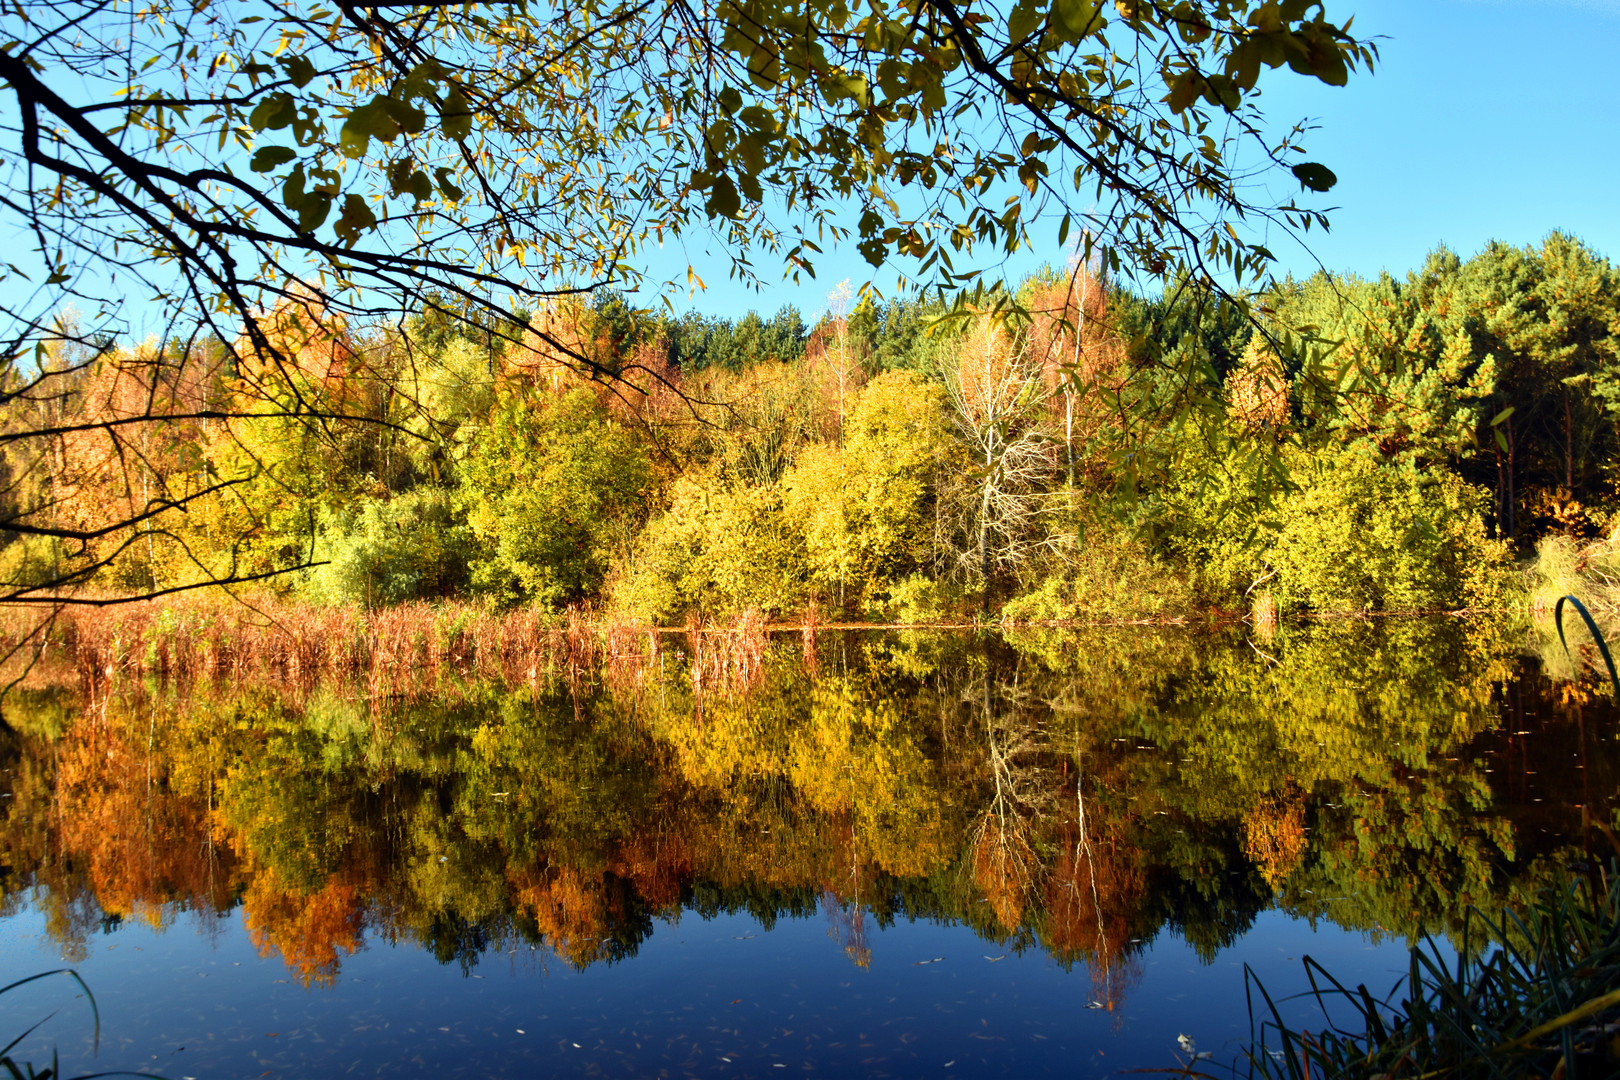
(997, 397)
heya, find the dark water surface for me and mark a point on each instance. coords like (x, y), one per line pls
(898, 853)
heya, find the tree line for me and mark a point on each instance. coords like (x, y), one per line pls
(1388, 443)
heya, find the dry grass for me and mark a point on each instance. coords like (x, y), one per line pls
(397, 651)
(727, 657)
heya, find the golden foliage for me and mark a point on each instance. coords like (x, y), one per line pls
(1257, 389)
(311, 933)
(1274, 835)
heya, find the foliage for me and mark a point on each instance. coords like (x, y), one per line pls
(551, 492)
(290, 187)
(864, 508)
(386, 551)
(1410, 382)
(716, 548)
(892, 458)
(1352, 534)
(1101, 572)
(548, 150)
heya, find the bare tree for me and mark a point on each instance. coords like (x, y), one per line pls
(997, 508)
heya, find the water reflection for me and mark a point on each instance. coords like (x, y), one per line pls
(1078, 793)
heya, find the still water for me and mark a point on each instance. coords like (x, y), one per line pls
(876, 853)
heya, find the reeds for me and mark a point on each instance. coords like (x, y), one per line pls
(1263, 614)
(728, 657)
(11, 1066)
(396, 651)
(1539, 999)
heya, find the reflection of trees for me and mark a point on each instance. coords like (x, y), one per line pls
(1274, 835)
(1046, 850)
(933, 777)
(312, 932)
(1021, 789)
(1094, 889)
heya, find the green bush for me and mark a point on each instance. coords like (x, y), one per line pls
(386, 551)
(718, 548)
(1342, 532)
(552, 491)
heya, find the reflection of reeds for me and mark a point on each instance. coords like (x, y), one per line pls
(812, 618)
(727, 657)
(397, 651)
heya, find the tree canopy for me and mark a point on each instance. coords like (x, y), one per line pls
(377, 157)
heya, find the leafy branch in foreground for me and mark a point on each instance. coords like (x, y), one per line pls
(223, 164)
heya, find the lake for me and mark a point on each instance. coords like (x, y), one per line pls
(885, 853)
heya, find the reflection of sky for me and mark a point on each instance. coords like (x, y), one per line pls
(698, 992)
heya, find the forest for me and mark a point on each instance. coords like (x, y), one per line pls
(1076, 451)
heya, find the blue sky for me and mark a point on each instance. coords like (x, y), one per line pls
(1487, 119)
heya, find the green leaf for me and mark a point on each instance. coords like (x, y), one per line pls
(399, 176)
(839, 86)
(723, 198)
(355, 219)
(373, 120)
(450, 190)
(270, 158)
(1024, 21)
(455, 115)
(312, 207)
(273, 113)
(406, 117)
(298, 69)
(353, 140)
(1077, 16)
(1183, 91)
(1315, 176)
(1502, 416)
